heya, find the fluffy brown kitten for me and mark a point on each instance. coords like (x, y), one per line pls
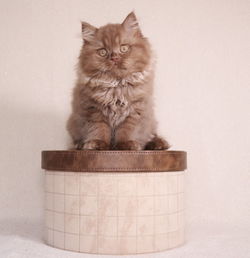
(112, 102)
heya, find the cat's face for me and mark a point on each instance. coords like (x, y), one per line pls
(115, 49)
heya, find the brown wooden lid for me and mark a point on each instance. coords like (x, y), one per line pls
(114, 161)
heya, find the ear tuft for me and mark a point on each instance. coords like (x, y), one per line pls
(130, 23)
(88, 31)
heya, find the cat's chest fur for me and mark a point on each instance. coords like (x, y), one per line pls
(117, 99)
(115, 103)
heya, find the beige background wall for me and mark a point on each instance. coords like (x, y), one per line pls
(202, 94)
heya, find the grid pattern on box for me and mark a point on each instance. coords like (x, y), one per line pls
(114, 213)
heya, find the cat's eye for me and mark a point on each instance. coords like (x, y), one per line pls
(102, 52)
(124, 48)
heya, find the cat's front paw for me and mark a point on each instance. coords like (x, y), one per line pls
(157, 143)
(78, 145)
(95, 145)
(128, 145)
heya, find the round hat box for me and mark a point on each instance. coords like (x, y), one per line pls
(114, 202)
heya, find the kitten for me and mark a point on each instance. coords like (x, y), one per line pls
(112, 101)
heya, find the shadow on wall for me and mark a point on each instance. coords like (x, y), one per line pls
(24, 133)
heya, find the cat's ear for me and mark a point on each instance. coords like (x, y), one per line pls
(88, 31)
(131, 24)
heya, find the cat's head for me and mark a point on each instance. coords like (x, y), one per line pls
(115, 49)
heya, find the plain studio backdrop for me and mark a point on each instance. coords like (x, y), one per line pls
(202, 103)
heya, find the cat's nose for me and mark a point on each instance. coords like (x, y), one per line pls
(114, 57)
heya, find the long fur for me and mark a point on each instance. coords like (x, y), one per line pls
(112, 105)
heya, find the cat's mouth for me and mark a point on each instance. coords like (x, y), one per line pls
(117, 66)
